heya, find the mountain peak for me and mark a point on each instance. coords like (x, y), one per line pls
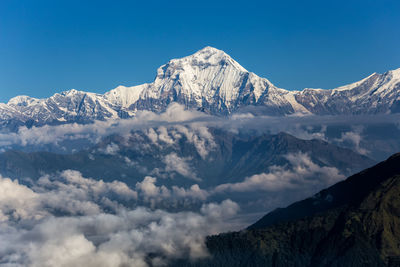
(395, 73)
(71, 92)
(209, 51)
(22, 100)
(208, 56)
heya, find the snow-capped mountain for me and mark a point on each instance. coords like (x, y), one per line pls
(377, 93)
(211, 81)
(69, 106)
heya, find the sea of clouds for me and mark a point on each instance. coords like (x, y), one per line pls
(65, 219)
(356, 132)
(70, 220)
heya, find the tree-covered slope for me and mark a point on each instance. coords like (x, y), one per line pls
(353, 223)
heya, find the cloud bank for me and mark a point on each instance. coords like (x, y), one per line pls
(75, 221)
(193, 125)
(70, 220)
(302, 174)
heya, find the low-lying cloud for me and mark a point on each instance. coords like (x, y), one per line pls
(94, 132)
(77, 221)
(168, 127)
(174, 163)
(301, 174)
(71, 220)
(353, 138)
(127, 238)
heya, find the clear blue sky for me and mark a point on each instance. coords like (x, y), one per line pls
(51, 46)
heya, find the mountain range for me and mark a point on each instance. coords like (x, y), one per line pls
(212, 82)
(353, 223)
(220, 164)
(229, 158)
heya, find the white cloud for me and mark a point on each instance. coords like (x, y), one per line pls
(354, 138)
(149, 191)
(194, 133)
(194, 125)
(302, 172)
(226, 209)
(110, 149)
(152, 135)
(94, 132)
(164, 136)
(18, 201)
(193, 192)
(92, 232)
(174, 163)
(199, 136)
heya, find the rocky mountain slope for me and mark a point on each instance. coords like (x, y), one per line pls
(353, 223)
(210, 81)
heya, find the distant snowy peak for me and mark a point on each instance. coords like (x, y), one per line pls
(391, 80)
(386, 81)
(208, 56)
(23, 100)
(375, 94)
(210, 81)
(124, 96)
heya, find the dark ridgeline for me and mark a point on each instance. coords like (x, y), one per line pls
(355, 222)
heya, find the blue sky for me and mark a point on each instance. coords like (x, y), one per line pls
(52, 46)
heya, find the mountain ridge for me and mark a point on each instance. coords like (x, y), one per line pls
(210, 81)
